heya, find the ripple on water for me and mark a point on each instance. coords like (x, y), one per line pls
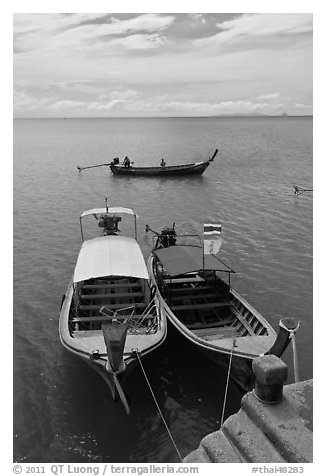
(62, 410)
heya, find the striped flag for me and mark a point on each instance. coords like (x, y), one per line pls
(212, 238)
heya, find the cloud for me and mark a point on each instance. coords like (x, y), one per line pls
(130, 102)
(66, 105)
(137, 42)
(223, 107)
(197, 17)
(132, 64)
(24, 101)
(55, 31)
(139, 106)
(269, 96)
(268, 24)
(125, 33)
(150, 22)
(260, 25)
(129, 94)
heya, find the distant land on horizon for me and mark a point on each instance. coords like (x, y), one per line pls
(249, 115)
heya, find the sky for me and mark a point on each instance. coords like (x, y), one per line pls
(162, 64)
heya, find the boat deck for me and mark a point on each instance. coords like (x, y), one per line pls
(122, 298)
(209, 310)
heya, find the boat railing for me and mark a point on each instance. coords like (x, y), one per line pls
(144, 323)
(108, 219)
(147, 322)
(180, 240)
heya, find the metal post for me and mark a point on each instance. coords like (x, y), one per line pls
(270, 375)
(203, 255)
(81, 228)
(135, 218)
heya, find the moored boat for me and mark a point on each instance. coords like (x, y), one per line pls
(109, 315)
(204, 308)
(196, 168)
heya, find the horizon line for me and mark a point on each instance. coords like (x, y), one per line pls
(247, 116)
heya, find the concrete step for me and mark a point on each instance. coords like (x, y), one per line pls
(249, 440)
(214, 448)
(197, 456)
(274, 424)
(288, 424)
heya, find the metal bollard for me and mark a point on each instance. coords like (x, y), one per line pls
(270, 375)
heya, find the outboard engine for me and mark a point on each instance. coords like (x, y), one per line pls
(110, 224)
(166, 238)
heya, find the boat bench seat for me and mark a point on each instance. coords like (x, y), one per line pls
(110, 286)
(208, 305)
(94, 307)
(215, 334)
(110, 318)
(111, 295)
(198, 296)
(216, 324)
(189, 289)
(196, 279)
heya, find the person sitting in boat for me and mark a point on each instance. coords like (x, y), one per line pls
(163, 164)
(126, 162)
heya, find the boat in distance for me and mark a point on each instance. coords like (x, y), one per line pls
(196, 168)
(204, 308)
(109, 315)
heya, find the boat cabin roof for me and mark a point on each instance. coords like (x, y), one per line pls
(110, 256)
(117, 210)
(182, 259)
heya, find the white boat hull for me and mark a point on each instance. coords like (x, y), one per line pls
(92, 348)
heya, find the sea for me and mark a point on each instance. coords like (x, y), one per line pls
(63, 410)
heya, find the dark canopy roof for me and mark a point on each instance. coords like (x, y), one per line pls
(186, 259)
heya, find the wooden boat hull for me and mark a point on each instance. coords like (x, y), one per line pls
(197, 168)
(241, 371)
(244, 349)
(191, 169)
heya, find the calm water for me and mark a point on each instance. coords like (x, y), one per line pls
(63, 411)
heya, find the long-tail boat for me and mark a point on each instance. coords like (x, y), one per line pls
(164, 170)
(203, 307)
(109, 315)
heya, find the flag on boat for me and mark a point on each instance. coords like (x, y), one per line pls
(212, 238)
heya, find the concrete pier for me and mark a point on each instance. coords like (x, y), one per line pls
(274, 424)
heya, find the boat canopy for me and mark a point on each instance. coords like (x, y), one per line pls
(110, 256)
(118, 210)
(183, 259)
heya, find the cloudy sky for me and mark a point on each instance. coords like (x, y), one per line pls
(178, 64)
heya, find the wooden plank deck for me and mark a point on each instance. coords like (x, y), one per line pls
(209, 305)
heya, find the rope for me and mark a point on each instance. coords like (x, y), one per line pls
(227, 382)
(157, 405)
(294, 349)
(290, 331)
(295, 361)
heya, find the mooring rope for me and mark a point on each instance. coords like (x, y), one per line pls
(294, 349)
(227, 382)
(157, 405)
